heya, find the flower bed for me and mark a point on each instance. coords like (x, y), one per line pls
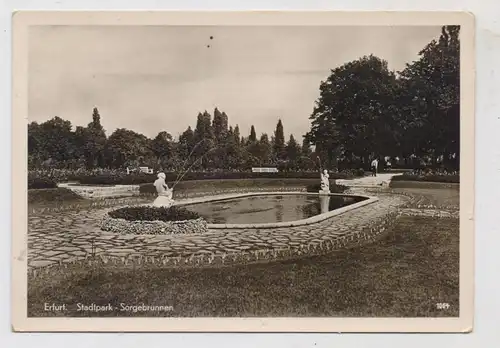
(153, 220)
(444, 178)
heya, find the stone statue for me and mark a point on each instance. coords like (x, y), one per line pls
(325, 182)
(165, 194)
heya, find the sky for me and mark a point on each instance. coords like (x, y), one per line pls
(158, 78)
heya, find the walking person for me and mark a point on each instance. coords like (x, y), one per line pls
(374, 166)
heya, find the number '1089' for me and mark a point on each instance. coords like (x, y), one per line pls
(442, 305)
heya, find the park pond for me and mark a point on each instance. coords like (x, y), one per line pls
(270, 208)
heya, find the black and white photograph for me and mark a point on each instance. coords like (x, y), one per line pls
(251, 169)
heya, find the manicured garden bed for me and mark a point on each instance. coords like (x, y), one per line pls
(191, 176)
(153, 220)
(428, 178)
(147, 213)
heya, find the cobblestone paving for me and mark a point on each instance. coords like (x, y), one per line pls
(64, 238)
(67, 237)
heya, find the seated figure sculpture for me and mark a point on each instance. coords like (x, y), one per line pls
(165, 193)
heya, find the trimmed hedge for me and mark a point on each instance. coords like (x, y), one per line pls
(360, 172)
(428, 178)
(138, 179)
(333, 188)
(221, 185)
(41, 183)
(147, 189)
(52, 195)
(146, 213)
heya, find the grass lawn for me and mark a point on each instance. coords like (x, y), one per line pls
(404, 274)
(440, 195)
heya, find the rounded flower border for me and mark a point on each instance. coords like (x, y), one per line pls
(122, 226)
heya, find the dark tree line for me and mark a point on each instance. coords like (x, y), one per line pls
(363, 110)
(212, 144)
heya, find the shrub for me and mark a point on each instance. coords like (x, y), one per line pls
(138, 179)
(147, 189)
(146, 213)
(333, 188)
(119, 179)
(115, 177)
(41, 183)
(360, 172)
(52, 195)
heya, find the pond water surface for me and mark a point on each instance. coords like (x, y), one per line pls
(268, 209)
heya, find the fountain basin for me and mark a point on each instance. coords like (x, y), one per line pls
(252, 216)
(356, 201)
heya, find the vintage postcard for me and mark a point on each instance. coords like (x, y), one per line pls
(243, 171)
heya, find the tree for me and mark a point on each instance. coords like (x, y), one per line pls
(204, 139)
(128, 148)
(162, 148)
(253, 136)
(81, 136)
(279, 142)
(220, 130)
(51, 142)
(430, 89)
(293, 150)
(264, 150)
(236, 134)
(306, 148)
(355, 113)
(95, 141)
(219, 126)
(184, 148)
(233, 150)
(35, 152)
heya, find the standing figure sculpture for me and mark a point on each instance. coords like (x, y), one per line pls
(325, 182)
(165, 194)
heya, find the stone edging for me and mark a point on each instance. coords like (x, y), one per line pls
(370, 233)
(318, 239)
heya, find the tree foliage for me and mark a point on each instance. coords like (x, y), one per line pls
(279, 145)
(363, 110)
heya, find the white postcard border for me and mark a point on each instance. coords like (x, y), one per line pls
(21, 22)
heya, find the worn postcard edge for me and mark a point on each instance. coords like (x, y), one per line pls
(22, 20)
